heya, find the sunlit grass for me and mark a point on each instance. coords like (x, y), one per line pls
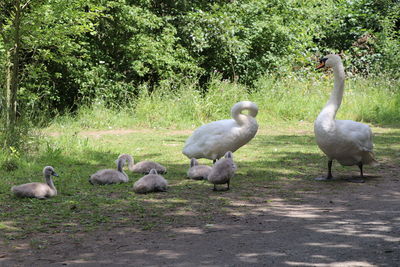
(375, 100)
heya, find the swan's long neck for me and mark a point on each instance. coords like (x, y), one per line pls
(49, 182)
(330, 109)
(243, 119)
(120, 164)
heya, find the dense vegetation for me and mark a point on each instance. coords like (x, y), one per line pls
(60, 55)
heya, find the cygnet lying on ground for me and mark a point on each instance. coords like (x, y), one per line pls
(198, 172)
(146, 166)
(38, 190)
(110, 176)
(151, 182)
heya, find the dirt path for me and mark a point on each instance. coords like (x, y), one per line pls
(334, 224)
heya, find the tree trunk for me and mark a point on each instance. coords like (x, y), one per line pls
(12, 82)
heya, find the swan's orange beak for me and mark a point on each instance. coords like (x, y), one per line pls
(321, 65)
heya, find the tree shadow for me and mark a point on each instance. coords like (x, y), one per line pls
(275, 214)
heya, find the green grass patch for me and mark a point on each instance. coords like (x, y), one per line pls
(279, 154)
(292, 98)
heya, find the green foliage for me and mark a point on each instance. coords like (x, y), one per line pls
(187, 105)
(108, 51)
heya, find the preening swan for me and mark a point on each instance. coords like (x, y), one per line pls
(151, 182)
(38, 190)
(198, 172)
(110, 176)
(222, 171)
(348, 142)
(146, 166)
(214, 139)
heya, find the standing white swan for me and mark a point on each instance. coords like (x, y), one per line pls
(213, 140)
(348, 142)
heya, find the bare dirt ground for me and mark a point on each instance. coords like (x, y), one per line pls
(331, 224)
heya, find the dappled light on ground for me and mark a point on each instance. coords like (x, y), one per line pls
(274, 215)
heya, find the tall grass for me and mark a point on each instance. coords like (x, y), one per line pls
(375, 100)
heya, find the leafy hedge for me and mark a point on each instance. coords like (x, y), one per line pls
(77, 51)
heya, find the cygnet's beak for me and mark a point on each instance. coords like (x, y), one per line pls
(55, 174)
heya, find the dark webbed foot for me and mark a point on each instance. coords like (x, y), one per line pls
(329, 177)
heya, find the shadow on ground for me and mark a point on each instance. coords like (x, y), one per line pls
(275, 215)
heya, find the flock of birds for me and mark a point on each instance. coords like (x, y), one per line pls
(348, 142)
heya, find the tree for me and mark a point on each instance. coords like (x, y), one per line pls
(37, 31)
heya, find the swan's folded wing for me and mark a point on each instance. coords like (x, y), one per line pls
(356, 133)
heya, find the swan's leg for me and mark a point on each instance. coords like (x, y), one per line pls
(329, 176)
(360, 165)
(228, 185)
(329, 170)
(361, 179)
(215, 188)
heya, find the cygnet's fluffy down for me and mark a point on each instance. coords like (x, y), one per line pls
(198, 172)
(38, 190)
(110, 176)
(146, 166)
(223, 170)
(151, 182)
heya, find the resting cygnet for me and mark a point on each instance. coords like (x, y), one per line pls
(151, 182)
(198, 172)
(146, 166)
(110, 176)
(222, 171)
(38, 190)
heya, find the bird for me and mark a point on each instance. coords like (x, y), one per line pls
(213, 140)
(145, 167)
(198, 172)
(222, 171)
(152, 182)
(111, 176)
(349, 142)
(38, 190)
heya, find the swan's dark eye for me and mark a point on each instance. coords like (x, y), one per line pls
(324, 59)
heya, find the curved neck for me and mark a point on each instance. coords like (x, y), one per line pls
(120, 165)
(49, 182)
(240, 118)
(335, 100)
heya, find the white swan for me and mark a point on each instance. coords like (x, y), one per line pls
(110, 176)
(38, 190)
(348, 142)
(222, 171)
(198, 172)
(214, 139)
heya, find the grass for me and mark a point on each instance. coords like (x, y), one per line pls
(288, 154)
(375, 100)
(283, 152)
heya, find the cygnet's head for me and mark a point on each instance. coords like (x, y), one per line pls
(153, 171)
(329, 61)
(49, 171)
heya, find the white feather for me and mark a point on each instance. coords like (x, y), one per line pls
(346, 141)
(214, 139)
